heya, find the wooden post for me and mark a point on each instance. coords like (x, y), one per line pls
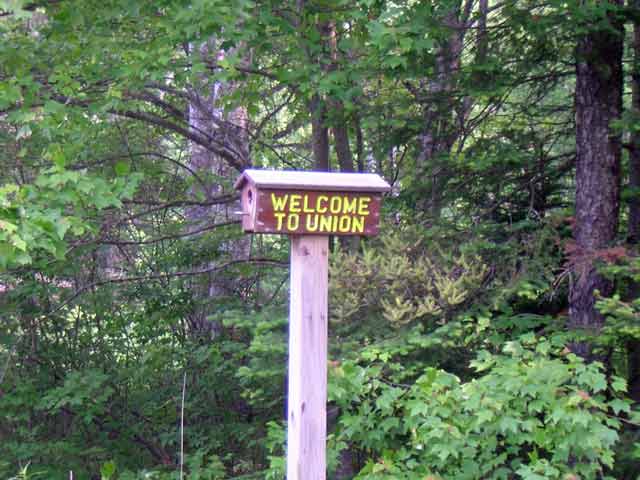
(307, 414)
(309, 206)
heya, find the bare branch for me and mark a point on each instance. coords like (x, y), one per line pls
(167, 237)
(164, 276)
(207, 142)
(164, 206)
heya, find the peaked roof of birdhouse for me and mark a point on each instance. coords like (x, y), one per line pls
(318, 181)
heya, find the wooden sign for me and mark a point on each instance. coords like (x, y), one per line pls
(309, 206)
(311, 203)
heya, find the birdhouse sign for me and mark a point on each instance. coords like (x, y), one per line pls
(311, 203)
(309, 206)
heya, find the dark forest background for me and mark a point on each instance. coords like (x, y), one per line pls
(491, 331)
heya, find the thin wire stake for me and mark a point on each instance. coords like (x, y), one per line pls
(184, 388)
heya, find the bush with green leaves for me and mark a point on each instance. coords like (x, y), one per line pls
(402, 279)
(535, 411)
(411, 274)
(115, 418)
(622, 309)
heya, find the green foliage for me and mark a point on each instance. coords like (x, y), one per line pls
(34, 219)
(25, 474)
(623, 308)
(107, 470)
(111, 293)
(410, 275)
(532, 412)
(262, 376)
(411, 281)
(276, 441)
(147, 392)
(86, 391)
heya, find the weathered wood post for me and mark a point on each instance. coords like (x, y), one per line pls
(309, 206)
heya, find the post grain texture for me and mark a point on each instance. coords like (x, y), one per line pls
(307, 416)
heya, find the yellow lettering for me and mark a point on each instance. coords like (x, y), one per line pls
(345, 224)
(293, 222)
(335, 205)
(363, 205)
(325, 224)
(279, 218)
(279, 203)
(349, 205)
(312, 222)
(294, 204)
(334, 225)
(306, 208)
(357, 225)
(319, 201)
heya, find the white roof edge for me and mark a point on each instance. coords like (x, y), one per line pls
(305, 180)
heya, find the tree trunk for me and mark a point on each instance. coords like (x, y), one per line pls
(482, 40)
(338, 117)
(598, 102)
(634, 155)
(207, 116)
(319, 134)
(341, 138)
(444, 112)
(360, 145)
(633, 232)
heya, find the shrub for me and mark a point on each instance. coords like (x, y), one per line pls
(534, 412)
